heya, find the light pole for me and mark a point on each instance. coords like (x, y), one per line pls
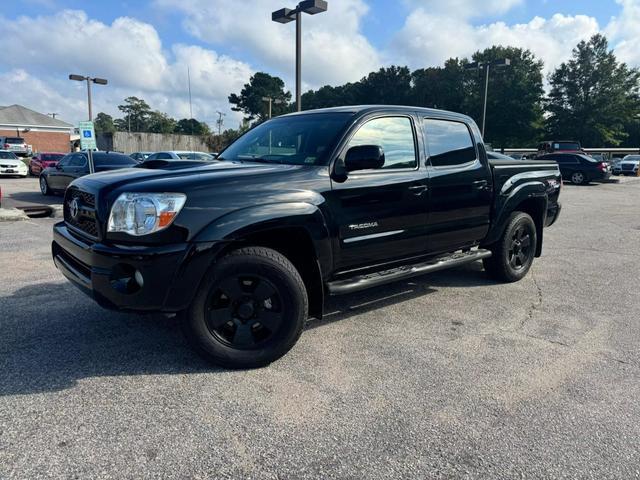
(89, 80)
(271, 100)
(502, 63)
(220, 121)
(286, 15)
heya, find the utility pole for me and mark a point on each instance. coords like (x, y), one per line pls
(220, 121)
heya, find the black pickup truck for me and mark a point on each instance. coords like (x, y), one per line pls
(324, 202)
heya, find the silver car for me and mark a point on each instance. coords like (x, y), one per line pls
(180, 155)
(628, 165)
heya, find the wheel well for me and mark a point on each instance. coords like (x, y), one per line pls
(536, 208)
(294, 243)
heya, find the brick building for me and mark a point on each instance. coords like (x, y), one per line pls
(43, 133)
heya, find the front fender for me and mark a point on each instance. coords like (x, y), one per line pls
(241, 223)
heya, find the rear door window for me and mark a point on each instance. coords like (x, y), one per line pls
(449, 143)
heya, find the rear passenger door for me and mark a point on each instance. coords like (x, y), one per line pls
(461, 185)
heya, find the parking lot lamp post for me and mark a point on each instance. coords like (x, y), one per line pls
(270, 101)
(286, 15)
(89, 80)
(505, 62)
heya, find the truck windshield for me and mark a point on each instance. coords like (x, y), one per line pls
(293, 140)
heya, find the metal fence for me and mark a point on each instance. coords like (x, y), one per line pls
(149, 142)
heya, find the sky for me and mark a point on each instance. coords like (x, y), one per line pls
(145, 47)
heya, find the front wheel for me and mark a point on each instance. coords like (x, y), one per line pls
(249, 310)
(513, 254)
(44, 186)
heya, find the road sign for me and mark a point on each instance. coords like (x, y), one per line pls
(87, 136)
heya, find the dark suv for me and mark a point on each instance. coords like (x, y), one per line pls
(579, 169)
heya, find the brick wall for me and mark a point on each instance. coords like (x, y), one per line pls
(43, 141)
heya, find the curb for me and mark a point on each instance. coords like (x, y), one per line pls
(12, 215)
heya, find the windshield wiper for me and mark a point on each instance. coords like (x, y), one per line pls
(259, 159)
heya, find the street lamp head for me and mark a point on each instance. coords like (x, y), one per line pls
(100, 81)
(504, 62)
(78, 78)
(313, 6)
(284, 15)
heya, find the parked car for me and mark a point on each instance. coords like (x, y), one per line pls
(44, 160)
(11, 165)
(320, 202)
(499, 156)
(74, 165)
(560, 146)
(140, 156)
(181, 155)
(579, 169)
(16, 145)
(628, 165)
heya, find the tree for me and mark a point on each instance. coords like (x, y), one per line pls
(515, 104)
(440, 87)
(136, 113)
(250, 100)
(387, 86)
(104, 123)
(191, 126)
(159, 122)
(593, 97)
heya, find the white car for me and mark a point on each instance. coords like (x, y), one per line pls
(628, 165)
(10, 165)
(180, 155)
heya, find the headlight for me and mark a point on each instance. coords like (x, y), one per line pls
(144, 213)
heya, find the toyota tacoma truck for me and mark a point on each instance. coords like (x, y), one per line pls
(318, 203)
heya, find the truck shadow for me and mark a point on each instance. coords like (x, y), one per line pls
(52, 336)
(35, 198)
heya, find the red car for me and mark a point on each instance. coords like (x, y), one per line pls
(43, 160)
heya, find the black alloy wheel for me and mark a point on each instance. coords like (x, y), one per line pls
(249, 310)
(244, 311)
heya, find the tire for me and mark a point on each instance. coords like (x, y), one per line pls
(44, 186)
(31, 172)
(513, 254)
(578, 178)
(249, 310)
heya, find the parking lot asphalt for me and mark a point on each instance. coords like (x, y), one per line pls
(447, 376)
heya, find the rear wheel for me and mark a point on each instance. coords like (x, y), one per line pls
(512, 256)
(249, 311)
(578, 178)
(44, 186)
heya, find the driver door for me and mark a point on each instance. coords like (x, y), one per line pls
(381, 214)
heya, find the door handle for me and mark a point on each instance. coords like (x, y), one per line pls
(418, 189)
(480, 184)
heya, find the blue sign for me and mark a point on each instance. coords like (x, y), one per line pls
(87, 137)
(86, 133)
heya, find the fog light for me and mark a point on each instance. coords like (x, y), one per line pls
(139, 278)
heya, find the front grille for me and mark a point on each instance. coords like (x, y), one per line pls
(82, 204)
(628, 166)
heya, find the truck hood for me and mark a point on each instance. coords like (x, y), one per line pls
(174, 175)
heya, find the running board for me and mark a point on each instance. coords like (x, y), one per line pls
(361, 282)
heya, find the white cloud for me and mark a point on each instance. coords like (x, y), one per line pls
(465, 8)
(551, 40)
(129, 53)
(623, 32)
(334, 49)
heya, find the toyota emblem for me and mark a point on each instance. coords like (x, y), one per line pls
(74, 208)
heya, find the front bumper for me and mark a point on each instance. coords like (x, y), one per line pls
(20, 170)
(171, 273)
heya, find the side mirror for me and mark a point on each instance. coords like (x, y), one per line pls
(58, 167)
(364, 157)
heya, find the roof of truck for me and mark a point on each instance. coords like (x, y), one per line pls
(363, 109)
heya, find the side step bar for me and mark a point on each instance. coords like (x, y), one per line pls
(361, 282)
